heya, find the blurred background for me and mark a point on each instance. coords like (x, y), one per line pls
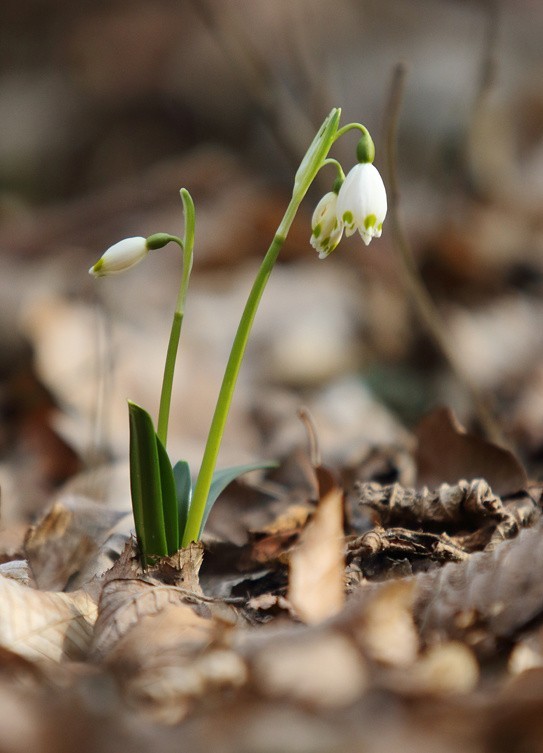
(108, 108)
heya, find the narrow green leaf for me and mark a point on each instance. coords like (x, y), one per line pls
(225, 476)
(183, 490)
(169, 499)
(145, 483)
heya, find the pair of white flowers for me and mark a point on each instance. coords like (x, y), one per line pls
(361, 204)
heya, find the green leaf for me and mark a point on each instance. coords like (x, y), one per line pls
(169, 498)
(183, 489)
(225, 476)
(145, 483)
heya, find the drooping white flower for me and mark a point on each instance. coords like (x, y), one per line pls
(362, 202)
(120, 256)
(326, 229)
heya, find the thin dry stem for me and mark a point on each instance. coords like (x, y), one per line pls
(411, 277)
(314, 450)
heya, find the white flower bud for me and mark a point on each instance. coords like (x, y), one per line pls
(120, 256)
(362, 202)
(326, 229)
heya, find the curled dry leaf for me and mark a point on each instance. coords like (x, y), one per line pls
(487, 598)
(449, 507)
(456, 521)
(43, 625)
(381, 554)
(316, 576)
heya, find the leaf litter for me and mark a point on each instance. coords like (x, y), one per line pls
(442, 587)
(398, 606)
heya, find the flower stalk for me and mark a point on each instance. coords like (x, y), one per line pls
(309, 167)
(187, 246)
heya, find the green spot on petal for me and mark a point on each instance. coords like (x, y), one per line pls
(380, 226)
(317, 231)
(348, 218)
(370, 221)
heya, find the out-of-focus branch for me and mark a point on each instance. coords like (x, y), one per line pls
(258, 80)
(411, 277)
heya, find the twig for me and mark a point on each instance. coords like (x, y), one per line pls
(314, 450)
(412, 279)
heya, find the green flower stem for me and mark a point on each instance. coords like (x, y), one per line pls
(187, 246)
(209, 459)
(309, 167)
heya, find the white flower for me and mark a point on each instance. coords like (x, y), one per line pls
(362, 202)
(326, 229)
(120, 256)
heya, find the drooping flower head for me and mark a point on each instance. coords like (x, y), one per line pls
(127, 253)
(121, 256)
(362, 202)
(326, 230)
(359, 202)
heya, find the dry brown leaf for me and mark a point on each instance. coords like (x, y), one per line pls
(443, 669)
(66, 539)
(385, 628)
(489, 596)
(167, 661)
(316, 573)
(323, 669)
(180, 569)
(381, 554)
(447, 453)
(17, 570)
(43, 625)
(527, 653)
(167, 693)
(164, 652)
(124, 601)
(448, 507)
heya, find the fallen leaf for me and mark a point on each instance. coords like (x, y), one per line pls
(449, 507)
(527, 653)
(444, 669)
(385, 627)
(67, 539)
(17, 570)
(322, 669)
(381, 554)
(488, 597)
(447, 453)
(316, 586)
(44, 625)
(125, 601)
